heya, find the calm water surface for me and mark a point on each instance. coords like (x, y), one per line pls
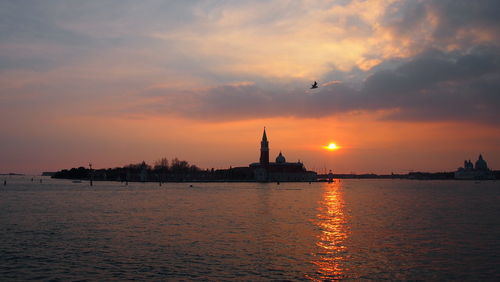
(352, 230)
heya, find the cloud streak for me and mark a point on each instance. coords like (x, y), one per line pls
(434, 85)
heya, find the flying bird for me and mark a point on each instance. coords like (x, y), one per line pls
(314, 85)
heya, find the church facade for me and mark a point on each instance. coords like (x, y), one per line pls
(280, 170)
(479, 171)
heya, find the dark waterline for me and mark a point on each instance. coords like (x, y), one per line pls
(355, 229)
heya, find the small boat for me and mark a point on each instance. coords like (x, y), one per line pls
(76, 181)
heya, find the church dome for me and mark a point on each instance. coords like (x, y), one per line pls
(280, 159)
(481, 164)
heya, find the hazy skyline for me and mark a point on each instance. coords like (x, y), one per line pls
(404, 85)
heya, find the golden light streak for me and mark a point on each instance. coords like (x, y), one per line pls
(332, 250)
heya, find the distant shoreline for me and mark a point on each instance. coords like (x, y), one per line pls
(321, 178)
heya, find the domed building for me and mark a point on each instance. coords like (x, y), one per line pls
(479, 171)
(281, 170)
(280, 159)
(481, 163)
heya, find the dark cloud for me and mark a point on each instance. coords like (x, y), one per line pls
(454, 15)
(456, 21)
(432, 86)
(404, 16)
(431, 67)
(441, 86)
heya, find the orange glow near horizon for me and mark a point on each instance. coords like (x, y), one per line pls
(402, 146)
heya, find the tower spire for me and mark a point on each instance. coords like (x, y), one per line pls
(264, 149)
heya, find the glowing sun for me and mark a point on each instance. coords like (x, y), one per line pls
(331, 147)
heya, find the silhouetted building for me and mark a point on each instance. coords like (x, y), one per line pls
(479, 171)
(144, 172)
(264, 150)
(280, 170)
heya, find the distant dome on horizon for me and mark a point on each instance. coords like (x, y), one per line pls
(481, 163)
(280, 159)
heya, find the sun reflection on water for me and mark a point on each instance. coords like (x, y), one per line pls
(331, 220)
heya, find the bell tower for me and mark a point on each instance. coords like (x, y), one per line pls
(264, 150)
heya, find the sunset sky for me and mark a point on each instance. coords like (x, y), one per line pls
(404, 85)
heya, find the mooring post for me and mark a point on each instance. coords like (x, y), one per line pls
(91, 175)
